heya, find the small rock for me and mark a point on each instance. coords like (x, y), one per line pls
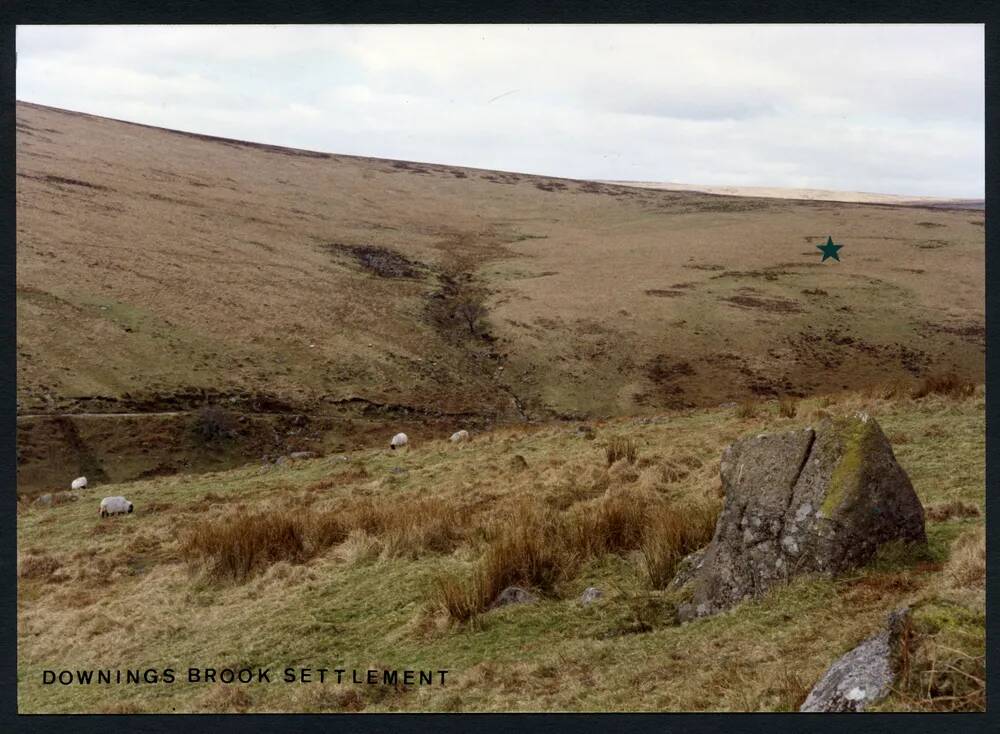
(513, 595)
(590, 595)
(518, 462)
(302, 455)
(862, 676)
(398, 470)
(45, 500)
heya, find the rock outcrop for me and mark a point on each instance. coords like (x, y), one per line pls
(864, 675)
(807, 501)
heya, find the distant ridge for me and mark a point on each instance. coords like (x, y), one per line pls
(774, 192)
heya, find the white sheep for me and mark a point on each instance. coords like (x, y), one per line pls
(78, 483)
(398, 441)
(459, 436)
(115, 506)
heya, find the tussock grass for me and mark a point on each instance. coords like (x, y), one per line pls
(37, 567)
(966, 568)
(787, 407)
(938, 673)
(237, 545)
(621, 448)
(537, 547)
(941, 511)
(747, 409)
(243, 542)
(948, 384)
(670, 534)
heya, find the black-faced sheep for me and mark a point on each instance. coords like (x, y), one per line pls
(115, 506)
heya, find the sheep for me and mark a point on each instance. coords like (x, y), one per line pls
(78, 483)
(398, 441)
(459, 436)
(115, 506)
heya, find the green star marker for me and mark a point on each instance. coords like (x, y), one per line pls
(829, 250)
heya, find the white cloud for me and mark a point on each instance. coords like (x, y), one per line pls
(887, 108)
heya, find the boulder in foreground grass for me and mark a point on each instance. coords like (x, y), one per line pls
(864, 675)
(812, 500)
(513, 595)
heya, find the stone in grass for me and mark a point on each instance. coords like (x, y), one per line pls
(865, 674)
(590, 595)
(513, 595)
(805, 501)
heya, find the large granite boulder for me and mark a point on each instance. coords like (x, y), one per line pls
(813, 500)
(864, 675)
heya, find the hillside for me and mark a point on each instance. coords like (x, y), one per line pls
(193, 310)
(155, 267)
(126, 593)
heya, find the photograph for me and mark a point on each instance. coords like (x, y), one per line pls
(488, 368)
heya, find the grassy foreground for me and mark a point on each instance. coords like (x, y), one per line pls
(361, 579)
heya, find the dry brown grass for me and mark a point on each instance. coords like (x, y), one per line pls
(621, 448)
(611, 525)
(534, 546)
(787, 407)
(937, 677)
(747, 409)
(241, 543)
(966, 568)
(953, 509)
(887, 390)
(670, 534)
(37, 567)
(948, 384)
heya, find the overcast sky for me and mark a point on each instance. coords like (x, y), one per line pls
(881, 108)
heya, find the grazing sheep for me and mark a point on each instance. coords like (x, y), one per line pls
(398, 441)
(458, 436)
(115, 506)
(78, 483)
